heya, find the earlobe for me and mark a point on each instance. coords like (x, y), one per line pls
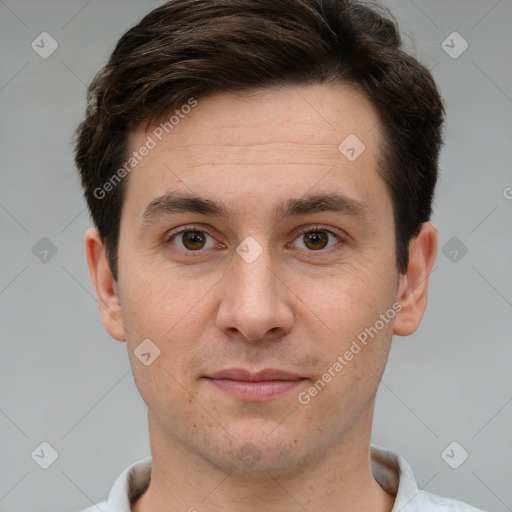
(105, 286)
(413, 288)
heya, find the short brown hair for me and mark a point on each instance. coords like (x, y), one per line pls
(188, 48)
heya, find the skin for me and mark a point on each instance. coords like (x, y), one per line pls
(295, 307)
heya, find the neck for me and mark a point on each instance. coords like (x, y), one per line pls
(340, 480)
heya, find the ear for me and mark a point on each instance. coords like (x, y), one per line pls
(413, 288)
(104, 284)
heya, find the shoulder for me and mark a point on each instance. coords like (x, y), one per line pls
(128, 486)
(440, 504)
(393, 473)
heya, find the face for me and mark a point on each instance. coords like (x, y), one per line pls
(285, 266)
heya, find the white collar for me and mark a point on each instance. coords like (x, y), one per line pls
(391, 471)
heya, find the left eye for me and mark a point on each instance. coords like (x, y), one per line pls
(317, 239)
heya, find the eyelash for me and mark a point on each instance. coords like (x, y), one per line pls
(308, 229)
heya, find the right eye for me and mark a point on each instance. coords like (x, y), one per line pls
(190, 239)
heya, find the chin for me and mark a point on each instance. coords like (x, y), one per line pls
(260, 457)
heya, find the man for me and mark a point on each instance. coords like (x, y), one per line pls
(260, 175)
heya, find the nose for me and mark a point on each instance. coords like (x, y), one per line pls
(255, 301)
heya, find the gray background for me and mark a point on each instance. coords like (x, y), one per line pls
(64, 381)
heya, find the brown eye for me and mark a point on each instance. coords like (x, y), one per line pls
(191, 240)
(316, 239)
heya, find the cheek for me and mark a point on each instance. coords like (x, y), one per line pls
(165, 395)
(171, 311)
(356, 314)
(349, 298)
(158, 302)
(354, 364)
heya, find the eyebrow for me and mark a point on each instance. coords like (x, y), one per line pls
(174, 203)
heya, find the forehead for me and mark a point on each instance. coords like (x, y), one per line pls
(266, 143)
(309, 115)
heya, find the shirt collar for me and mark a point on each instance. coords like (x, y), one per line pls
(389, 469)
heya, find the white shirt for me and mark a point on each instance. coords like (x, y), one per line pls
(391, 471)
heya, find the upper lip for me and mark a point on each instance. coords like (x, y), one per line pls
(246, 375)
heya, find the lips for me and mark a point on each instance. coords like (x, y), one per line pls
(268, 374)
(258, 386)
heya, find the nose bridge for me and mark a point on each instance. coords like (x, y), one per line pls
(253, 301)
(254, 277)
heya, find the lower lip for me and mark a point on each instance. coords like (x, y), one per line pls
(256, 391)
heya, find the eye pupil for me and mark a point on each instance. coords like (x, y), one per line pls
(316, 237)
(193, 240)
